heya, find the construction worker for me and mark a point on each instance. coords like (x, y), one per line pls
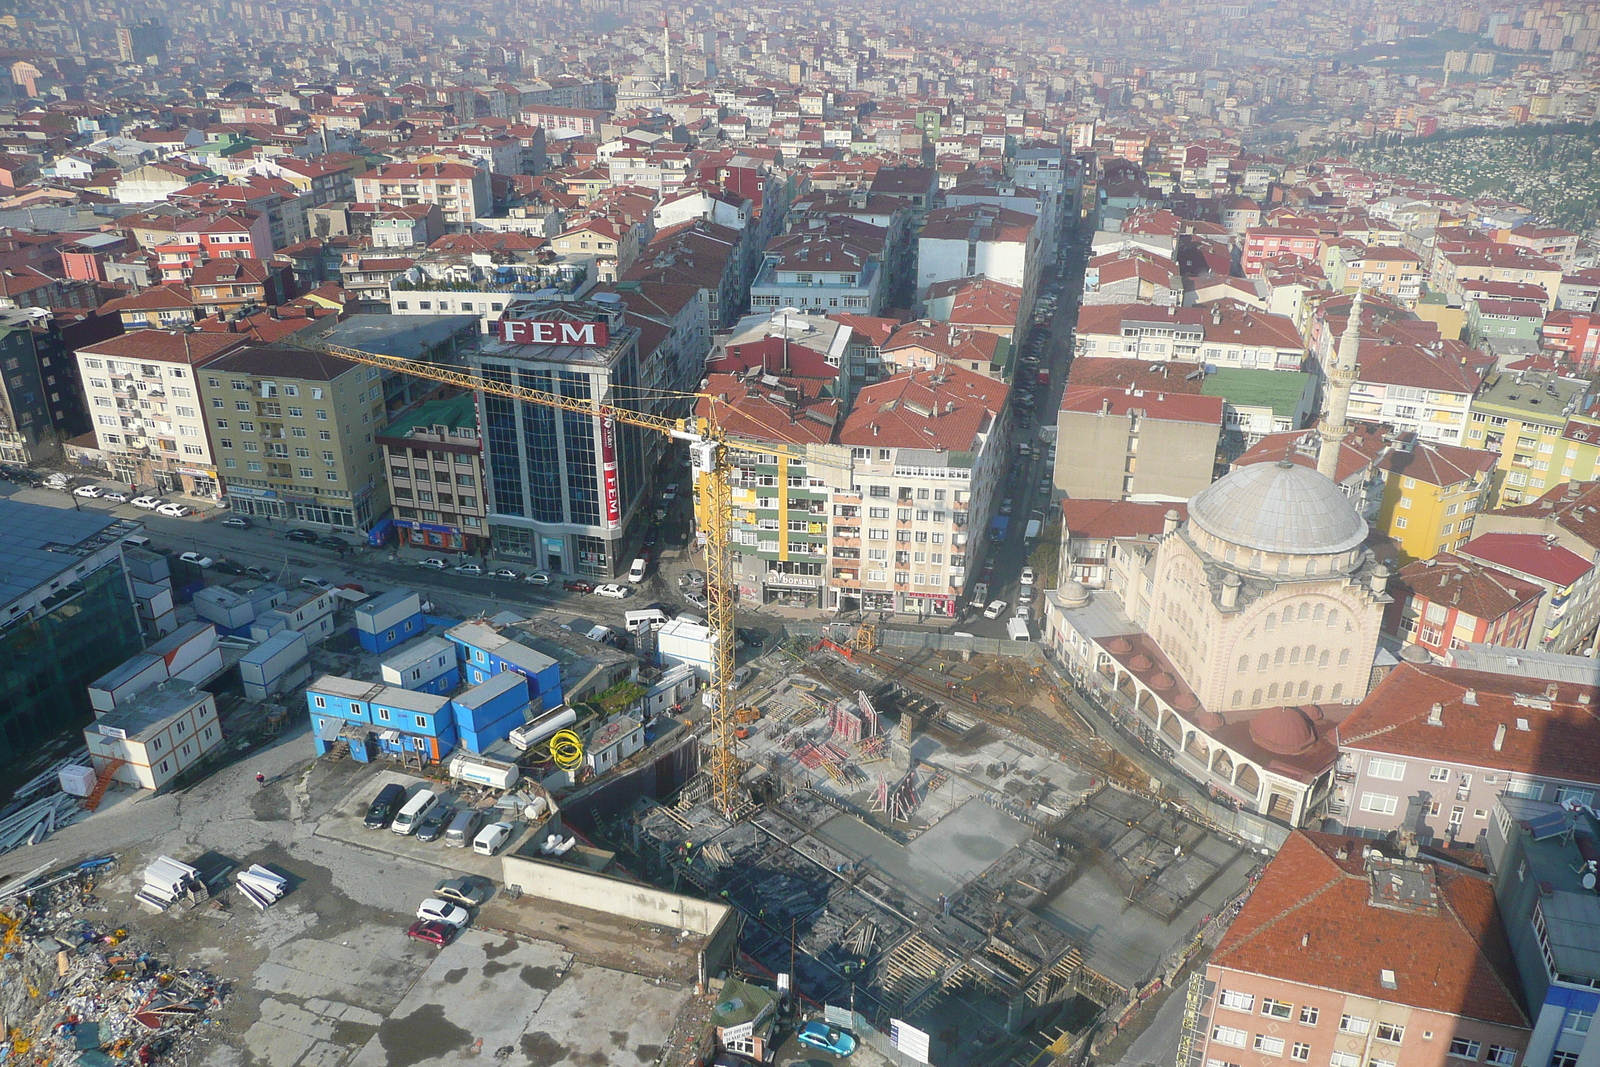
(261, 779)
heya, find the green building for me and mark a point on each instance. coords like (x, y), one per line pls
(66, 618)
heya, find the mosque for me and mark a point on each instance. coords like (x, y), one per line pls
(1238, 639)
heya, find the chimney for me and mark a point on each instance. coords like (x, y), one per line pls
(1470, 698)
(1169, 521)
(1436, 715)
(1500, 737)
(1551, 690)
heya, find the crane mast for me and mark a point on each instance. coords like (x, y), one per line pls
(710, 461)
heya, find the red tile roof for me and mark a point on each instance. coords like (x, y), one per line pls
(1439, 464)
(943, 408)
(1479, 590)
(1529, 553)
(165, 346)
(1117, 518)
(1161, 406)
(1311, 920)
(1562, 739)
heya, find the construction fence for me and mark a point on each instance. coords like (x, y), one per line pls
(912, 640)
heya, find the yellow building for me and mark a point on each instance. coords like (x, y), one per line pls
(1522, 417)
(1431, 495)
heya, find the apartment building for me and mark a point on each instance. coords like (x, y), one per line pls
(961, 242)
(563, 488)
(144, 395)
(1452, 269)
(1223, 334)
(1446, 601)
(227, 235)
(1432, 747)
(460, 189)
(1415, 390)
(433, 458)
(1522, 417)
(1101, 433)
(1543, 858)
(1397, 273)
(1432, 494)
(1347, 956)
(781, 498)
(839, 268)
(1265, 242)
(294, 436)
(926, 449)
(1566, 618)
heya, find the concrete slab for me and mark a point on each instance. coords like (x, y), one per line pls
(954, 850)
(345, 823)
(560, 1012)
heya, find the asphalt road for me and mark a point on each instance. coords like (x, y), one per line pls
(1023, 476)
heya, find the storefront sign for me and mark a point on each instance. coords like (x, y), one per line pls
(792, 581)
(429, 527)
(555, 332)
(608, 471)
(245, 490)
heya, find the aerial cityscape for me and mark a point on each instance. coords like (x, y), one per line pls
(624, 532)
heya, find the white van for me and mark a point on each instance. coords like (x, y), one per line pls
(490, 838)
(636, 572)
(635, 619)
(1016, 629)
(414, 812)
(136, 541)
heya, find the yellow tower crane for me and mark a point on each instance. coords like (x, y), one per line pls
(709, 459)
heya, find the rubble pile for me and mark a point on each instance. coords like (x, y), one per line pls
(76, 988)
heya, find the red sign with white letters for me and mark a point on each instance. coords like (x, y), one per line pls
(555, 332)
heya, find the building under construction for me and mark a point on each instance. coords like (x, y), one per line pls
(938, 863)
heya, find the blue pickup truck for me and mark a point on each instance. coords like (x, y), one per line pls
(997, 529)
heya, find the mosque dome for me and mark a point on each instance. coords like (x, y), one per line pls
(1285, 731)
(1278, 507)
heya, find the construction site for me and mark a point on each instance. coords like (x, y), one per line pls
(934, 837)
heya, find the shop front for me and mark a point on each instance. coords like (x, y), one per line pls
(792, 590)
(931, 605)
(416, 534)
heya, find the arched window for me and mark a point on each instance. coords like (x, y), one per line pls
(1263, 662)
(1244, 663)
(1294, 654)
(1270, 622)
(1312, 568)
(1333, 617)
(1344, 657)
(1303, 687)
(1316, 694)
(1277, 657)
(1283, 566)
(1316, 616)
(1238, 697)
(1305, 612)
(1272, 691)
(1338, 691)
(1255, 699)
(1322, 660)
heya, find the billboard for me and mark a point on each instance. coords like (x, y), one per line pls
(608, 471)
(555, 332)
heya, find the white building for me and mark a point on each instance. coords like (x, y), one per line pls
(150, 739)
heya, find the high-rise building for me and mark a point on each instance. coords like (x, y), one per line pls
(564, 486)
(142, 41)
(66, 617)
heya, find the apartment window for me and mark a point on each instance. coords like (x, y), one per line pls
(1501, 1055)
(1308, 1016)
(1464, 1048)
(302, 453)
(1228, 1035)
(1577, 1022)
(1271, 1046)
(322, 435)
(225, 442)
(296, 413)
(1300, 1051)
(252, 465)
(1390, 1032)
(322, 415)
(1564, 1059)
(1391, 770)
(1344, 1059)
(1277, 1009)
(1439, 774)
(1382, 805)
(1232, 998)
(1355, 1024)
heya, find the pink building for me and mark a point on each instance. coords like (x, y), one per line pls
(1345, 957)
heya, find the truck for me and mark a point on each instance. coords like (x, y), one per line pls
(997, 529)
(1032, 532)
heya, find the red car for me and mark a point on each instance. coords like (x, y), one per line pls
(432, 931)
(577, 585)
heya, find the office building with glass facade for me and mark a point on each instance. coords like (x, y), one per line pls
(563, 486)
(66, 618)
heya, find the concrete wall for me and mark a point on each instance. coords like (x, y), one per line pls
(628, 900)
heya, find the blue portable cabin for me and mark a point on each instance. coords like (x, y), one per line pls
(490, 710)
(389, 619)
(426, 666)
(485, 652)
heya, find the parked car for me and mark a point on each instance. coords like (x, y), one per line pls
(695, 600)
(538, 578)
(577, 585)
(1006, 506)
(302, 535)
(434, 823)
(491, 837)
(1025, 597)
(637, 570)
(505, 572)
(381, 811)
(442, 911)
(753, 637)
(613, 590)
(335, 541)
(114, 496)
(238, 522)
(995, 609)
(175, 511)
(228, 566)
(820, 1035)
(148, 503)
(311, 581)
(203, 562)
(433, 563)
(692, 580)
(90, 491)
(463, 891)
(743, 676)
(980, 593)
(468, 568)
(259, 572)
(670, 493)
(1027, 576)
(432, 931)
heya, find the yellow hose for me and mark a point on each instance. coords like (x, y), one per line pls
(566, 750)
